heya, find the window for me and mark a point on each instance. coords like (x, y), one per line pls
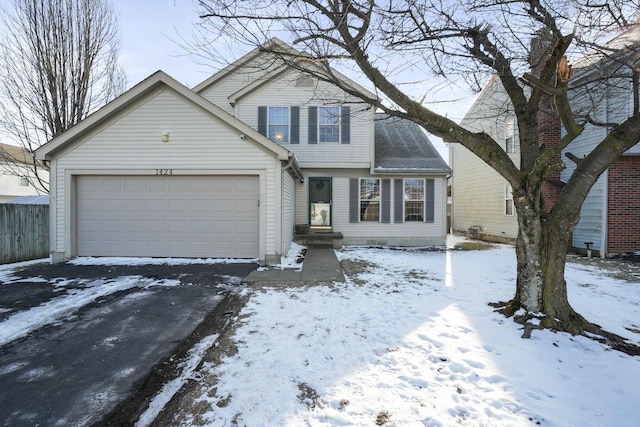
(329, 124)
(508, 200)
(278, 124)
(369, 199)
(414, 199)
(509, 136)
(24, 181)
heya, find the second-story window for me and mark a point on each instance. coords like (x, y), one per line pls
(329, 124)
(509, 136)
(278, 127)
(280, 124)
(508, 200)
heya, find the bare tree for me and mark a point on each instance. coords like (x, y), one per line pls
(469, 40)
(59, 64)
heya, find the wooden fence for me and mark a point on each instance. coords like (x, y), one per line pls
(24, 232)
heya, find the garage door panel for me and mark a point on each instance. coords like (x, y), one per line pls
(178, 205)
(111, 185)
(167, 216)
(133, 225)
(156, 205)
(178, 184)
(178, 226)
(200, 206)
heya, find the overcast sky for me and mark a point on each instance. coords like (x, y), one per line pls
(150, 33)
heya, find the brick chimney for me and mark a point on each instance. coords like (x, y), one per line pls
(549, 124)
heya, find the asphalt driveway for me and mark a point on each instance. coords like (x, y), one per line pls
(76, 341)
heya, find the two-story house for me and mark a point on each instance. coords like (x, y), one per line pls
(482, 200)
(230, 167)
(17, 174)
(482, 203)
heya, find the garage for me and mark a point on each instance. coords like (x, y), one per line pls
(167, 216)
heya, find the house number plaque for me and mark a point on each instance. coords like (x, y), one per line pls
(164, 171)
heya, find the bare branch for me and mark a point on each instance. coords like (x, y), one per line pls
(60, 65)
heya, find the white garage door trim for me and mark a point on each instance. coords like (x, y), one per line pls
(168, 216)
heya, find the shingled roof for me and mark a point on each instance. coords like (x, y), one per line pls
(402, 146)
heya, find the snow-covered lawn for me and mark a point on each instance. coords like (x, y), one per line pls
(412, 341)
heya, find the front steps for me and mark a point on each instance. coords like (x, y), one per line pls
(317, 238)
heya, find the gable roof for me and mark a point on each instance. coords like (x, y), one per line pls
(151, 83)
(272, 72)
(402, 146)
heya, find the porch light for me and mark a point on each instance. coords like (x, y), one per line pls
(164, 137)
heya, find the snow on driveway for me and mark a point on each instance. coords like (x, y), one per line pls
(24, 322)
(76, 293)
(412, 341)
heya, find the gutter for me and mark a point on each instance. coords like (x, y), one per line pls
(292, 164)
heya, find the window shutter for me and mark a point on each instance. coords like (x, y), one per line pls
(295, 126)
(313, 125)
(345, 137)
(385, 195)
(354, 200)
(429, 201)
(398, 201)
(262, 120)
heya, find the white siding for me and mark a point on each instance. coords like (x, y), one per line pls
(284, 92)
(288, 210)
(10, 182)
(407, 233)
(478, 191)
(130, 144)
(219, 91)
(593, 213)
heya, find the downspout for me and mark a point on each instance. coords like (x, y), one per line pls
(295, 168)
(605, 198)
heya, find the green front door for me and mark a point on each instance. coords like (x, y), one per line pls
(320, 203)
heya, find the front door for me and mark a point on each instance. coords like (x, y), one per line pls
(320, 203)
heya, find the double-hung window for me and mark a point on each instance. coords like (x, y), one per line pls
(413, 199)
(509, 136)
(329, 124)
(508, 200)
(278, 124)
(369, 199)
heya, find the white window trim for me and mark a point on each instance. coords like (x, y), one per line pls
(508, 196)
(360, 199)
(339, 124)
(288, 141)
(510, 132)
(404, 201)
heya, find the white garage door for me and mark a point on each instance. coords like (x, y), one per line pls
(167, 216)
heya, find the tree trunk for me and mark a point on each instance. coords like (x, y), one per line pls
(541, 249)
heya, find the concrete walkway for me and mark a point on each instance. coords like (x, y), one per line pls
(320, 265)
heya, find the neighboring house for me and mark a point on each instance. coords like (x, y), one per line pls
(610, 217)
(482, 203)
(230, 168)
(17, 175)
